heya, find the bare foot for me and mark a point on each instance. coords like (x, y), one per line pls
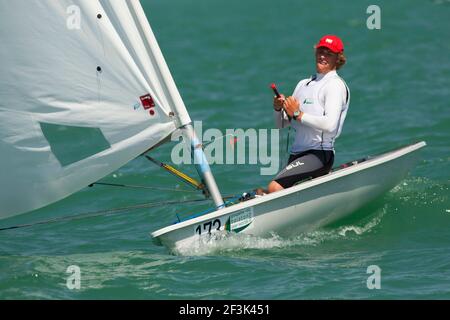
(261, 191)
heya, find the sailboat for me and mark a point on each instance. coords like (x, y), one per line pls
(85, 89)
(299, 209)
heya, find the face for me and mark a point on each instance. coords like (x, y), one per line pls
(325, 60)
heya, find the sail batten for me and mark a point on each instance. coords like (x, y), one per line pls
(77, 77)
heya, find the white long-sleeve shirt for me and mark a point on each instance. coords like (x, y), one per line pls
(324, 99)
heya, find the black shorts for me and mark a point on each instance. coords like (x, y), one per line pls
(305, 165)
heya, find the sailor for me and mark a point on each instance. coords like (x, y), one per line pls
(316, 110)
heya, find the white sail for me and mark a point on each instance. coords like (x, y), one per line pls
(84, 89)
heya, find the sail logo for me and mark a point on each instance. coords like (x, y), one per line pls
(147, 103)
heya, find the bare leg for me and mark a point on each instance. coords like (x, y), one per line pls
(257, 192)
(274, 187)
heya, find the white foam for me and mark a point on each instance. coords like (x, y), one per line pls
(234, 242)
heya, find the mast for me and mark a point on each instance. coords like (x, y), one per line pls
(203, 167)
(182, 116)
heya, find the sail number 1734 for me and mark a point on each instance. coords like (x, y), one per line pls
(207, 227)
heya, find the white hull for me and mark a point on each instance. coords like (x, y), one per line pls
(302, 208)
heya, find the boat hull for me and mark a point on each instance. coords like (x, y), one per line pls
(302, 208)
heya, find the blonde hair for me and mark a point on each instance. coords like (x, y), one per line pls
(341, 60)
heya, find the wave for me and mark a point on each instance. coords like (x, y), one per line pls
(412, 206)
(233, 243)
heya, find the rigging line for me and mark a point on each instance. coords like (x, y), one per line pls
(287, 144)
(190, 181)
(221, 137)
(102, 212)
(138, 187)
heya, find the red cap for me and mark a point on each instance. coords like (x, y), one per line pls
(334, 43)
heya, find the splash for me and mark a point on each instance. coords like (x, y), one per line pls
(232, 243)
(421, 191)
(365, 228)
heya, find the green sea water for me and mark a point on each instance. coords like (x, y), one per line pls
(223, 55)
